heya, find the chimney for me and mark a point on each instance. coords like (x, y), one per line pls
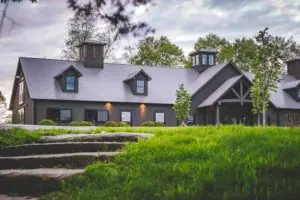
(293, 67)
(91, 53)
(203, 59)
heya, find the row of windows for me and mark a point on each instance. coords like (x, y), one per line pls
(96, 116)
(205, 61)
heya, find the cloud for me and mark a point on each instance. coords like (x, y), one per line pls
(42, 28)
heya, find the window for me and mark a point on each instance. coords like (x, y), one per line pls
(140, 86)
(65, 115)
(204, 59)
(159, 117)
(126, 116)
(59, 115)
(102, 116)
(21, 92)
(194, 60)
(211, 60)
(96, 115)
(70, 83)
(191, 119)
(197, 59)
(20, 116)
(298, 93)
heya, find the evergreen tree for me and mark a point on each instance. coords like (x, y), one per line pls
(182, 104)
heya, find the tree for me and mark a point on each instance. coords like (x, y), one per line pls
(214, 42)
(3, 109)
(182, 104)
(83, 28)
(267, 68)
(158, 52)
(244, 50)
(116, 13)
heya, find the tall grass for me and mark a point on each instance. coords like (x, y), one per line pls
(226, 162)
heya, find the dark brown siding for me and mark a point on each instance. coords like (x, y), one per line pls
(293, 69)
(211, 86)
(78, 110)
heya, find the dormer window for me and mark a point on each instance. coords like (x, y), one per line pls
(68, 79)
(70, 83)
(138, 82)
(140, 86)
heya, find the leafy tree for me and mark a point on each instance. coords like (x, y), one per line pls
(116, 13)
(3, 109)
(267, 68)
(83, 28)
(182, 104)
(215, 42)
(158, 52)
(244, 52)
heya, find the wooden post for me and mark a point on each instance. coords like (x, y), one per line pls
(218, 114)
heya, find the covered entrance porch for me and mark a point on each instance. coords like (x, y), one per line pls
(229, 104)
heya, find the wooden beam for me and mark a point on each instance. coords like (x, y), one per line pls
(245, 95)
(235, 101)
(235, 92)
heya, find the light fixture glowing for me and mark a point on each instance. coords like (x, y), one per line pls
(108, 106)
(142, 108)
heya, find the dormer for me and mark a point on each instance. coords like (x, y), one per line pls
(68, 79)
(138, 82)
(203, 59)
(91, 53)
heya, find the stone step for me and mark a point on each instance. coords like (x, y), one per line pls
(60, 147)
(102, 137)
(33, 182)
(67, 160)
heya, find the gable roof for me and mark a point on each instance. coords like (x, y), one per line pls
(134, 74)
(280, 99)
(219, 92)
(71, 67)
(97, 84)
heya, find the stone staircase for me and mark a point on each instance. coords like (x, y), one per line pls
(37, 169)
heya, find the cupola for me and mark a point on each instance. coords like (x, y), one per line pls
(203, 59)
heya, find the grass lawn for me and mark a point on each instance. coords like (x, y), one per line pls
(226, 162)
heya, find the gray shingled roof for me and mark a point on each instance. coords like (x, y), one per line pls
(291, 84)
(280, 98)
(107, 84)
(218, 93)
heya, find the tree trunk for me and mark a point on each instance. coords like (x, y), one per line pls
(258, 119)
(264, 114)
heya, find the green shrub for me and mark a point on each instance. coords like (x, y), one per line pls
(148, 124)
(47, 122)
(81, 123)
(158, 124)
(152, 124)
(111, 124)
(122, 124)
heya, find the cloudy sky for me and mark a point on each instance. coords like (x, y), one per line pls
(40, 29)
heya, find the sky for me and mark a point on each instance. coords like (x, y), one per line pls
(39, 30)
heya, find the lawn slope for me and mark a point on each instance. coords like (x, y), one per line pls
(226, 162)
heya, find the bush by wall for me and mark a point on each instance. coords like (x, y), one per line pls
(122, 124)
(80, 123)
(110, 124)
(47, 122)
(152, 124)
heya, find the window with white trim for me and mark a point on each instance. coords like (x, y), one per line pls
(194, 60)
(102, 115)
(126, 116)
(20, 116)
(159, 117)
(65, 115)
(191, 119)
(21, 92)
(211, 59)
(140, 86)
(204, 59)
